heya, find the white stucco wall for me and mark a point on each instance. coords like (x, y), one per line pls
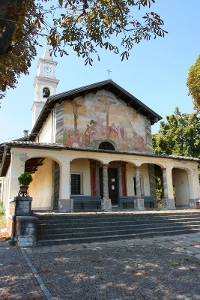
(41, 188)
(46, 133)
(5, 192)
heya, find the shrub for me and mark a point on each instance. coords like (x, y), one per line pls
(25, 178)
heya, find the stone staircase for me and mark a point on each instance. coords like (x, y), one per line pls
(60, 228)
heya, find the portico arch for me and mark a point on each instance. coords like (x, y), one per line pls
(45, 186)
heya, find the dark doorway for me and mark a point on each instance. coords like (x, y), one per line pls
(112, 184)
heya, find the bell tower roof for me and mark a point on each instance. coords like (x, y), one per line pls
(46, 54)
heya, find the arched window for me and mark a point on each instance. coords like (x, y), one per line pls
(106, 146)
(46, 92)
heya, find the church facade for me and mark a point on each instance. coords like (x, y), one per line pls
(91, 149)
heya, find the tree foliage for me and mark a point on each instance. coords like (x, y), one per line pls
(84, 25)
(193, 83)
(179, 135)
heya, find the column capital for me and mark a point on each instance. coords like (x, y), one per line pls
(163, 169)
(136, 168)
(105, 165)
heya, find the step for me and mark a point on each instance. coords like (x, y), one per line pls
(114, 232)
(112, 237)
(104, 226)
(91, 227)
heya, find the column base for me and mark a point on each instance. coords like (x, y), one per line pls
(196, 203)
(26, 231)
(106, 204)
(168, 204)
(66, 205)
(138, 204)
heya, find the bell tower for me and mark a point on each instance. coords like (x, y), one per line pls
(45, 83)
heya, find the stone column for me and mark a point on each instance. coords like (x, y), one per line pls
(138, 202)
(93, 177)
(105, 202)
(65, 203)
(123, 179)
(166, 202)
(152, 182)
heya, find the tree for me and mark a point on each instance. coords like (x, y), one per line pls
(193, 83)
(179, 135)
(84, 25)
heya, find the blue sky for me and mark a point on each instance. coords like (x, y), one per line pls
(155, 73)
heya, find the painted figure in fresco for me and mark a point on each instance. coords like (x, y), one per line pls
(113, 131)
(107, 104)
(91, 133)
(70, 139)
(139, 143)
(73, 140)
(75, 106)
(121, 131)
(77, 141)
(94, 133)
(87, 134)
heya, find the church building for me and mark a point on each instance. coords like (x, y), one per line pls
(90, 148)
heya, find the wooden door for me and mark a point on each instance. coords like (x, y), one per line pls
(113, 185)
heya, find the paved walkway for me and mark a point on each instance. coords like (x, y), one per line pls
(151, 268)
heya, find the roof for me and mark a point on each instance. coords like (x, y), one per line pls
(107, 85)
(32, 164)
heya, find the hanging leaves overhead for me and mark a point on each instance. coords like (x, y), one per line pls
(83, 25)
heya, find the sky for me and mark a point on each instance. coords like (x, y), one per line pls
(155, 73)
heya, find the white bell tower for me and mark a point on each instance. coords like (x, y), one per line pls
(45, 83)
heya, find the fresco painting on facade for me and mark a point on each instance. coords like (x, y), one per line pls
(97, 118)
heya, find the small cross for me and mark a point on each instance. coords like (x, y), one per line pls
(109, 71)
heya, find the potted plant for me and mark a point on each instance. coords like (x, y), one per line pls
(24, 180)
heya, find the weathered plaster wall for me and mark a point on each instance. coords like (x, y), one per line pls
(41, 186)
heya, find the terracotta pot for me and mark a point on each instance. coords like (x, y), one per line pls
(23, 190)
